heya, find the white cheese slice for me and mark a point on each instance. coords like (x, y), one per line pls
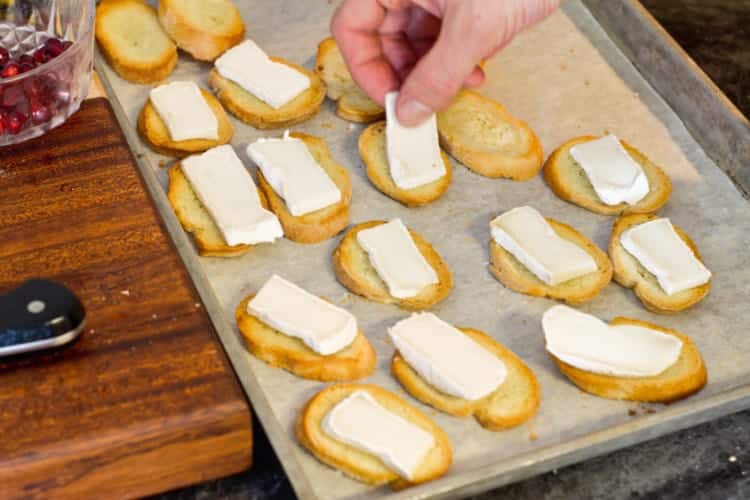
(528, 236)
(447, 358)
(184, 111)
(413, 152)
(613, 173)
(294, 175)
(658, 247)
(360, 421)
(586, 342)
(224, 186)
(323, 327)
(397, 260)
(274, 83)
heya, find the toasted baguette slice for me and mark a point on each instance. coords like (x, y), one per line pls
(202, 28)
(197, 221)
(511, 273)
(631, 274)
(154, 131)
(282, 351)
(372, 149)
(357, 463)
(514, 402)
(569, 181)
(324, 223)
(687, 376)
(133, 42)
(353, 104)
(257, 113)
(484, 136)
(354, 270)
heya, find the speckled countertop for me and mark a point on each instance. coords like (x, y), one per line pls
(710, 461)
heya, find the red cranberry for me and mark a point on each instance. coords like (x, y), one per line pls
(55, 46)
(25, 58)
(39, 112)
(25, 67)
(14, 122)
(66, 44)
(4, 56)
(42, 55)
(10, 69)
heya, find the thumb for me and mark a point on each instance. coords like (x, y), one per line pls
(437, 77)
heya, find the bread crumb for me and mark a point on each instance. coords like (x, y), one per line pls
(632, 412)
(92, 331)
(154, 316)
(352, 126)
(563, 66)
(197, 305)
(533, 436)
(125, 293)
(650, 411)
(162, 163)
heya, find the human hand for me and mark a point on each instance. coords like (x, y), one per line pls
(428, 49)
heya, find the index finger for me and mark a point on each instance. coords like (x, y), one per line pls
(355, 26)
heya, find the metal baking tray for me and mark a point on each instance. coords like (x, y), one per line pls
(596, 65)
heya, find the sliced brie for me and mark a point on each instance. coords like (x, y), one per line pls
(397, 260)
(528, 236)
(586, 342)
(658, 247)
(447, 358)
(184, 111)
(323, 327)
(360, 421)
(224, 186)
(294, 175)
(274, 83)
(413, 152)
(613, 173)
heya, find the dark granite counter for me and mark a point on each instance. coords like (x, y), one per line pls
(706, 462)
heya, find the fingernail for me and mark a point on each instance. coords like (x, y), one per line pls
(412, 112)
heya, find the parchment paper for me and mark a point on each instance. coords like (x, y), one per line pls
(565, 78)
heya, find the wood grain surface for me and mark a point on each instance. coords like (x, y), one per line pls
(146, 400)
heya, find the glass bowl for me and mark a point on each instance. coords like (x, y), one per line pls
(46, 61)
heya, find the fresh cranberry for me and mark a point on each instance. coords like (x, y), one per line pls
(10, 69)
(4, 56)
(14, 122)
(25, 58)
(42, 55)
(66, 44)
(55, 46)
(25, 67)
(39, 112)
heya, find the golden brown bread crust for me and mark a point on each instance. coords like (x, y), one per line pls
(356, 463)
(511, 404)
(353, 270)
(372, 149)
(352, 103)
(484, 136)
(629, 273)
(324, 223)
(511, 273)
(257, 113)
(196, 220)
(568, 181)
(198, 41)
(153, 130)
(282, 351)
(135, 71)
(687, 376)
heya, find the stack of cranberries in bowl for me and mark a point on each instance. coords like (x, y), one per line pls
(34, 99)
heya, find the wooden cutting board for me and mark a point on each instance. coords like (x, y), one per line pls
(146, 400)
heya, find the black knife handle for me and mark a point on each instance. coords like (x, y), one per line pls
(39, 314)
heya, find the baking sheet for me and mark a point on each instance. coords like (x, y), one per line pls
(565, 78)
